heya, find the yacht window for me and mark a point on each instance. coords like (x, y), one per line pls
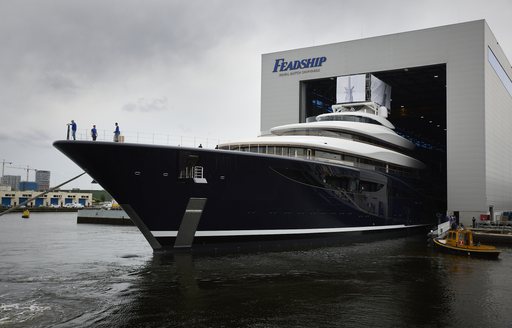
(327, 155)
(348, 118)
(351, 159)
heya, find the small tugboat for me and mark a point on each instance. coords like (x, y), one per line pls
(460, 241)
(25, 214)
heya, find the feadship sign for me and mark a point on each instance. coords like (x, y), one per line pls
(292, 67)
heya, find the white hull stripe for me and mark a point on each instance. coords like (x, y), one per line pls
(221, 233)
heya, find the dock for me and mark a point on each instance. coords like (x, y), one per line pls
(483, 233)
(103, 216)
(493, 234)
(40, 209)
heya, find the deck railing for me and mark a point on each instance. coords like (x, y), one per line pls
(151, 138)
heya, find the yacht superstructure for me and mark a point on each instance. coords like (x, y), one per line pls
(357, 135)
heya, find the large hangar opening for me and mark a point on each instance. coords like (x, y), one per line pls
(417, 110)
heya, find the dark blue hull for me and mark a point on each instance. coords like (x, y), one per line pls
(245, 196)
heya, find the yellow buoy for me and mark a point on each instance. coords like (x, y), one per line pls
(25, 214)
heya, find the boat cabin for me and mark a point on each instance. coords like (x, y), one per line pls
(459, 237)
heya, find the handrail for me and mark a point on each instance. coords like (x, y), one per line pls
(198, 172)
(154, 138)
(192, 172)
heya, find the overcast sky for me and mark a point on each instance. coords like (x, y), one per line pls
(173, 69)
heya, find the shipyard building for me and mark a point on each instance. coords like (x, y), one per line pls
(448, 89)
(11, 198)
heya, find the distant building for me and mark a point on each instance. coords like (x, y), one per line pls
(11, 180)
(53, 199)
(43, 180)
(28, 186)
(5, 187)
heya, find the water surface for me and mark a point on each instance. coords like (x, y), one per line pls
(56, 273)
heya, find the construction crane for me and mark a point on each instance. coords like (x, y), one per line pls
(23, 168)
(3, 165)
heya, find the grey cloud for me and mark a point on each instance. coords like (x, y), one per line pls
(60, 82)
(147, 105)
(93, 38)
(22, 139)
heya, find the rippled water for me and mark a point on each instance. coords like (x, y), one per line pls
(56, 273)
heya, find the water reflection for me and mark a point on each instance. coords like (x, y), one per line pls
(55, 273)
(376, 284)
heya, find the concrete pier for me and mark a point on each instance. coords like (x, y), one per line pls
(103, 216)
(493, 234)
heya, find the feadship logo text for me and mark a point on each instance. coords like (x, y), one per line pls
(281, 65)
